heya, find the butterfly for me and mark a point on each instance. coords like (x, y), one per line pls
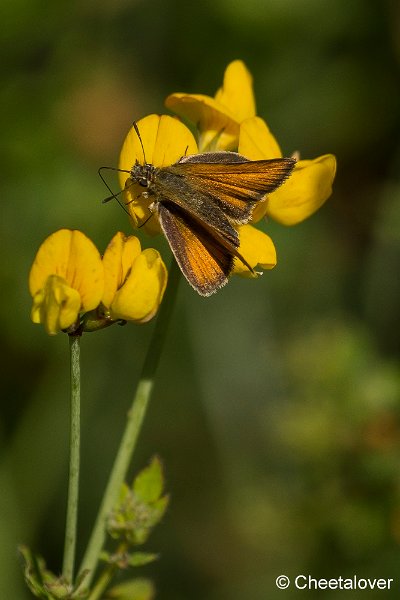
(200, 201)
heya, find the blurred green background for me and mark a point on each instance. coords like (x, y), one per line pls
(276, 409)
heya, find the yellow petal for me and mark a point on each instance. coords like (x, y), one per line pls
(85, 271)
(256, 142)
(257, 248)
(236, 93)
(304, 192)
(165, 140)
(218, 128)
(140, 296)
(56, 305)
(71, 255)
(117, 261)
(218, 119)
(260, 210)
(51, 259)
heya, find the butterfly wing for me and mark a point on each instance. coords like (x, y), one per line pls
(234, 183)
(203, 259)
(171, 187)
(199, 200)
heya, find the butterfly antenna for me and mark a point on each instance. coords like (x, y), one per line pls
(113, 195)
(136, 128)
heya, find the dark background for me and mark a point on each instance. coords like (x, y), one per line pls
(276, 408)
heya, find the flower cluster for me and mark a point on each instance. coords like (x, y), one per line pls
(226, 122)
(74, 288)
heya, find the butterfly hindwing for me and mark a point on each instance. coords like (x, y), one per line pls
(204, 261)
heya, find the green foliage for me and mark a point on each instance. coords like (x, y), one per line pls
(137, 589)
(138, 559)
(44, 584)
(148, 485)
(140, 507)
(123, 559)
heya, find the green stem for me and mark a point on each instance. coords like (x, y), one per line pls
(106, 576)
(134, 422)
(73, 485)
(102, 583)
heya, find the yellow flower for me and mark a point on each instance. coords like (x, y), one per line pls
(69, 281)
(217, 119)
(65, 280)
(165, 140)
(308, 187)
(134, 280)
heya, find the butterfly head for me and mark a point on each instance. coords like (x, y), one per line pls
(143, 174)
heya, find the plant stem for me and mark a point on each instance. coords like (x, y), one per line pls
(106, 576)
(134, 422)
(74, 460)
(102, 583)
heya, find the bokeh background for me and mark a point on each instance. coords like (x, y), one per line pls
(276, 410)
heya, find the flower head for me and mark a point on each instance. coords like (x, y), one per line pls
(73, 288)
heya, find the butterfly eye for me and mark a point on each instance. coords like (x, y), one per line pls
(143, 182)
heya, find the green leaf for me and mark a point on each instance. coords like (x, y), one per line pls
(139, 508)
(44, 584)
(36, 576)
(124, 492)
(148, 485)
(159, 507)
(138, 559)
(106, 556)
(137, 589)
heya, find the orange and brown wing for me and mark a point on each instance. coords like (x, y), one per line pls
(234, 186)
(204, 261)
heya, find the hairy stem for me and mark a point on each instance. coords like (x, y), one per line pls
(74, 461)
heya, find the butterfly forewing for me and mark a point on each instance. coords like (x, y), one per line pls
(205, 262)
(236, 186)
